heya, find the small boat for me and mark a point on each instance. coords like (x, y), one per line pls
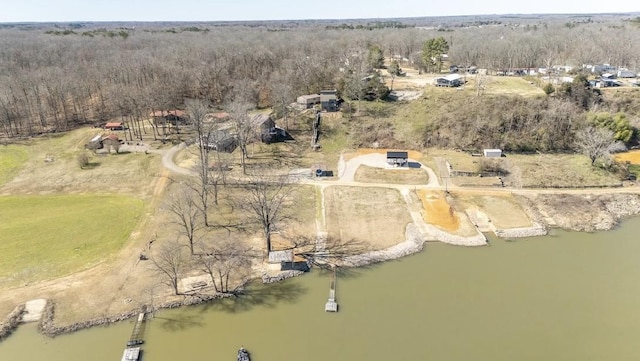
(243, 354)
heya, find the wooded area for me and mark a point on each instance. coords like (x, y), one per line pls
(55, 80)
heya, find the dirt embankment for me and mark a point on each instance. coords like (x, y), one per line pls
(585, 213)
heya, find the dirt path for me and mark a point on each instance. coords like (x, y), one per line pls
(168, 161)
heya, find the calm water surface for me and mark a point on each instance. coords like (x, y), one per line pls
(568, 296)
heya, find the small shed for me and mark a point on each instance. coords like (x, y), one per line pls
(398, 158)
(626, 73)
(95, 143)
(114, 126)
(492, 153)
(281, 256)
(329, 100)
(308, 101)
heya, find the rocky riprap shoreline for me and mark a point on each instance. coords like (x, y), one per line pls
(47, 325)
(12, 321)
(584, 213)
(281, 276)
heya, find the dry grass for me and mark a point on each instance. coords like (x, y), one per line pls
(632, 156)
(503, 209)
(128, 173)
(368, 174)
(557, 170)
(507, 85)
(377, 216)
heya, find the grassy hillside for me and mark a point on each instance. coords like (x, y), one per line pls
(42, 237)
(12, 157)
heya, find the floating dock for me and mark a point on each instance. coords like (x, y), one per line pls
(332, 305)
(131, 354)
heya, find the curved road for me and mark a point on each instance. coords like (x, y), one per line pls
(347, 171)
(168, 162)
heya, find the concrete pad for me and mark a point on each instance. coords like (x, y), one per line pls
(33, 310)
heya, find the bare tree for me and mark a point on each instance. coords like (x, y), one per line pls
(330, 251)
(598, 143)
(197, 111)
(244, 129)
(186, 211)
(264, 201)
(227, 260)
(169, 262)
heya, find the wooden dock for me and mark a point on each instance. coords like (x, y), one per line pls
(133, 351)
(332, 305)
(138, 330)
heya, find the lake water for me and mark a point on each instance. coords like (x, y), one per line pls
(567, 296)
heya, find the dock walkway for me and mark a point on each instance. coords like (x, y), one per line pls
(332, 305)
(133, 351)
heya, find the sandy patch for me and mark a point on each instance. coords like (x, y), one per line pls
(438, 212)
(632, 156)
(33, 310)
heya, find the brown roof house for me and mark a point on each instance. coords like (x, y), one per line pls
(111, 141)
(175, 117)
(114, 126)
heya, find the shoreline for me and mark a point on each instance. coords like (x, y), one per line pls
(546, 212)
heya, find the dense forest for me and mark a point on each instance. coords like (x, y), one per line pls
(59, 76)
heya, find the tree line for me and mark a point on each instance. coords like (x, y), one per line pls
(54, 83)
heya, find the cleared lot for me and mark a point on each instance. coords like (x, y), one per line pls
(377, 216)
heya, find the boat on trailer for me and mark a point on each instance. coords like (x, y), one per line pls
(243, 354)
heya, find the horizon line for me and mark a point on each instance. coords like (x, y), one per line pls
(314, 19)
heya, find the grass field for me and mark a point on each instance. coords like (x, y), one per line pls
(557, 170)
(43, 237)
(368, 174)
(12, 157)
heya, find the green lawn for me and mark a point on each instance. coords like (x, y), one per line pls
(12, 157)
(43, 237)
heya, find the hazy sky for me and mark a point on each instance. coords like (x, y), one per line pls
(204, 10)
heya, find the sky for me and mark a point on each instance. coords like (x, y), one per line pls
(214, 10)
